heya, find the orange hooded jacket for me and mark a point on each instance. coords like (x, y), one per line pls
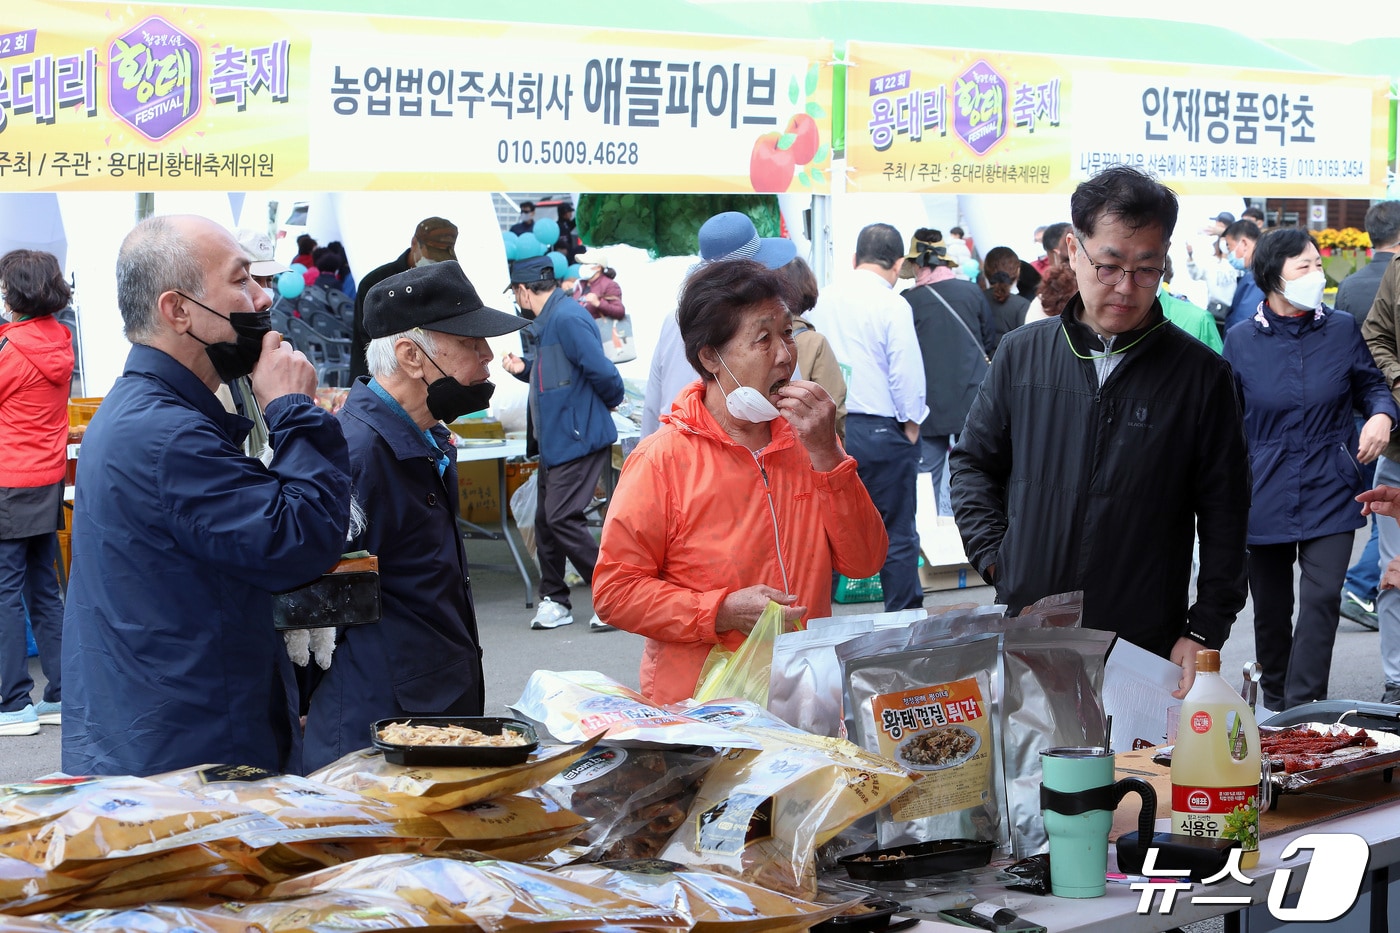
(697, 516)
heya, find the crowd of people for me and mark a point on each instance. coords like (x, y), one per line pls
(1096, 432)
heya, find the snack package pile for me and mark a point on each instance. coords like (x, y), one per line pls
(430, 790)
(495, 896)
(636, 798)
(761, 814)
(710, 902)
(576, 705)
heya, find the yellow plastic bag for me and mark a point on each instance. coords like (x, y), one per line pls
(745, 672)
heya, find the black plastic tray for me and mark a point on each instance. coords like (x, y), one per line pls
(461, 756)
(918, 860)
(873, 919)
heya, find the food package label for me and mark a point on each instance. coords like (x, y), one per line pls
(942, 729)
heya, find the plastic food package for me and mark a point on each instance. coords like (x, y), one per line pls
(636, 798)
(63, 823)
(760, 815)
(297, 803)
(931, 709)
(152, 918)
(26, 888)
(493, 895)
(1052, 690)
(712, 902)
(574, 705)
(516, 828)
(432, 790)
(334, 912)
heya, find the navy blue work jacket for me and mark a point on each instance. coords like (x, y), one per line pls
(423, 658)
(170, 657)
(1300, 379)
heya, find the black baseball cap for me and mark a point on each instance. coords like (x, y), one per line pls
(437, 297)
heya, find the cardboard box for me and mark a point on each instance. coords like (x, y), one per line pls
(477, 427)
(479, 491)
(954, 577)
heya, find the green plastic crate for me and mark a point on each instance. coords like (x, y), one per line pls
(859, 591)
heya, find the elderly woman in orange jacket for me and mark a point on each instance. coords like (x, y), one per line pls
(744, 495)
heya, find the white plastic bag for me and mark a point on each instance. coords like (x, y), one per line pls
(522, 509)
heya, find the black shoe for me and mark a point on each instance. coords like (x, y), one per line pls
(1391, 694)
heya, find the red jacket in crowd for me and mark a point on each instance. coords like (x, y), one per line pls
(36, 369)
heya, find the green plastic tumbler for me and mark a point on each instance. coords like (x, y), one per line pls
(1078, 843)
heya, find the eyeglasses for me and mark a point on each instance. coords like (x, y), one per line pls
(1143, 276)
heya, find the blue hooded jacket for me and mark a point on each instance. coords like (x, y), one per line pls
(170, 657)
(1300, 378)
(573, 384)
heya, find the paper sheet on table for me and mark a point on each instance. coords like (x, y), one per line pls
(1137, 693)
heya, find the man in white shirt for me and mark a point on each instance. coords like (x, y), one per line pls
(871, 330)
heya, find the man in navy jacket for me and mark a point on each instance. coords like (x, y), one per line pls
(427, 360)
(573, 385)
(170, 657)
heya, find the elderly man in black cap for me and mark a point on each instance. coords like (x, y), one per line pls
(428, 361)
(434, 240)
(573, 385)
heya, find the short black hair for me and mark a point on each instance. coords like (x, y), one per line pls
(1252, 211)
(1126, 194)
(34, 283)
(1028, 282)
(1383, 223)
(1054, 236)
(957, 232)
(1247, 229)
(1273, 250)
(327, 260)
(880, 244)
(715, 298)
(305, 244)
(527, 205)
(1002, 259)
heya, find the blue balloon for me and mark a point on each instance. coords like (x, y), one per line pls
(299, 269)
(970, 269)
(512, 245)
(572, 272)
(291, 284)
(530, 247)
(561, 265)
(546, 231)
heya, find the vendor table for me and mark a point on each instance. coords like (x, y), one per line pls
(1116, 911)
(500, 452)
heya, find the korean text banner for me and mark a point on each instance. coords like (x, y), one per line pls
(926, 119)
(107, 96)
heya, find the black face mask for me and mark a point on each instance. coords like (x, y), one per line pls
(449, 400)
(236, 360)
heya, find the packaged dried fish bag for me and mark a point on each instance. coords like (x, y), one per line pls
(635, 797)
(430, 790)
(931, 710)
(760, 815)
(1052, 697)
(576, 705)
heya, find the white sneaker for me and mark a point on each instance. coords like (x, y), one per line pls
(551, 615)
(596, 624)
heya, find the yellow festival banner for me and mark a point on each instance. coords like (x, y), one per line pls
(958, 120)
(136, 96)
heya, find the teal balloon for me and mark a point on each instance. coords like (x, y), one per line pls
(572, 272)
(561, 265)
(291, 284)
(546, 231)
(299, 269)
(530, 247)
(970, 269)
(512, 245)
